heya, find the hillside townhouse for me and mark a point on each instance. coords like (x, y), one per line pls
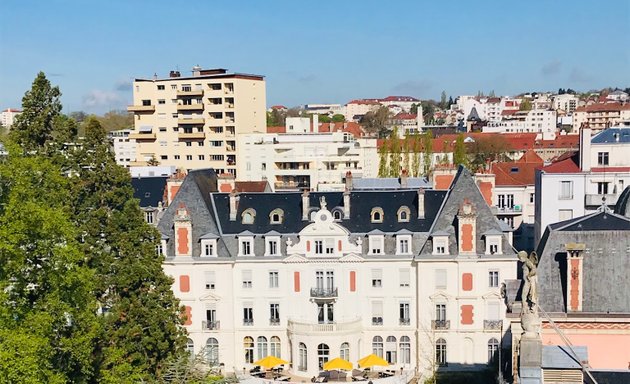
(355, 109)
(540, 121)
(580, 182)
(191, 122)
(412, 275)
(600, 116)
(566, 102)
(124, 147)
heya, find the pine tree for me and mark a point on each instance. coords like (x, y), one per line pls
(141, 329)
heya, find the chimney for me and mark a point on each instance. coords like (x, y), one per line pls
(196, 71)
(234, 198)
(467, 228)
(305, 204)
(404, 176)
(173, 183)
(315, 123)
(346, 204)
(585, 149)
(154, 76)
(575, 255)
(421, 203)
(226, 182)
(348, 181)
(174, 74)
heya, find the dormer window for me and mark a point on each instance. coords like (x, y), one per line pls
(246, 246)
(208, 248)
(276, 216)
(377, 215)
(248, 216)
(376, 245)
(440, 245)
(272, 246)
(403, 214)
(493, 244)
(403, 244)
(337, 215)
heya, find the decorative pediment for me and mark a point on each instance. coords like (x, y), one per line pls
(211, 296)
(441, 296)
(295, 258)
(491, 296)
(352, 258)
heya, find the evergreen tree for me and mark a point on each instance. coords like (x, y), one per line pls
(47, 309)
(141, 329)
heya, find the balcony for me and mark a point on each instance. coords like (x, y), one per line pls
(190, 107)
(190, 121)
(404, 321)
(190, 92)
(191, 136)
(514, 210)
(440, 324)
(377, 320)
(274, 321)
(248, 322)
(324, 293)
(289, 185)
(142, 136)
(492, 325)
(306, 328)
(141, 108)
(595, 199)
(211, 325)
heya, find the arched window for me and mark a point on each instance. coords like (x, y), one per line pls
(248, 344)
(337, 215)
(276, 216)
(322, 355)
(440, 352)
(403, 214)
(303, 357)
(344, 351)
(190, 347)
(212, 351)
(262, 347)
(377, 215)
(390, 350)
(405, 350)
(377, 346)
(248, 216)
(275, 346)
(493, 348)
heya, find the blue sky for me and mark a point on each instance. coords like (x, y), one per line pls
(315, 51)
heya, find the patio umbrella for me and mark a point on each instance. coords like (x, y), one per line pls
(338, 363)
(372, 360)
(270, 362)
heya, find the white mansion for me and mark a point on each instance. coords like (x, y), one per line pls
(413, 276)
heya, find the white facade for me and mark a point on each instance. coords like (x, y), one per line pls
(541, 122)
(318, 161)
(325, 109)
(360, 108)
(566, 102)
(7, 117)
(124, 147)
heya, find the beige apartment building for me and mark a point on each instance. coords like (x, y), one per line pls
(192, 122)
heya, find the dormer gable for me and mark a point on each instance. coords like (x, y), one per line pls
(467, 228)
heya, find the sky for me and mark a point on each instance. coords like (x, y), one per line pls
(324, 51)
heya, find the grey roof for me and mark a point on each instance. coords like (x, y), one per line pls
(465, 188)
(209, 235)
(561, 357)
(388, 183)
(149, 190)
(606, 263)
(492, 231)
(623, 207)
(612, 135)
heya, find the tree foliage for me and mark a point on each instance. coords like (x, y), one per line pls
(427, 153)
(526, 105)
(376, 121)
(485, 150)
(459, 152)
(115, 120)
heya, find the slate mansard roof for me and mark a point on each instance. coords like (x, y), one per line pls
(606, 262)
(149, 190)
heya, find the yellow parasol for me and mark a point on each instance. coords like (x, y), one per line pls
(270, 362)
(372, 360)
(338, 363)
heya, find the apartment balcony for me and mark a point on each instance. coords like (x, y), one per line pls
(248, 322)
(230, 149)
(377, 320)
(191, 136)
(324, 293)
(141, 108)
(340, 327)
(190, 93)
(274, 321)
(142, 136)
(211, 325)
(229, 120)
(595, 199)
(290, 185)
(190, 107)
(229, 106)
(492, 325)
(191, 121)
(514, 210)
(138, 163)
(440, 324)
(404, 321)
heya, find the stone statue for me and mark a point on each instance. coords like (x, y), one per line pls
(289, 242)
(322, 202)
(529, 296)
(359, 241)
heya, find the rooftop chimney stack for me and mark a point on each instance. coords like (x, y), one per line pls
(174, 74)
(305, 204)
(421, 203)
(234, 198)
(315, 123)
(349, 181)
(196, 71)
(404, 176)
(346, 204)
(585, 149)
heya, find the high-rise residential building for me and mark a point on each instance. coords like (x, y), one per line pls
(191, 122)
(7, 117)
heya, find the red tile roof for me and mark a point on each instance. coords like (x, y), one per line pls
(399, 98)
(530, 157)
(364, 101)
(494, 100)
(277, 129)
(278, 107)
(610, 169)
(351, 127)
(251, 186)
(515, 173)
(405, 116)
(603, 107)
(567, 163)
(561, 141)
